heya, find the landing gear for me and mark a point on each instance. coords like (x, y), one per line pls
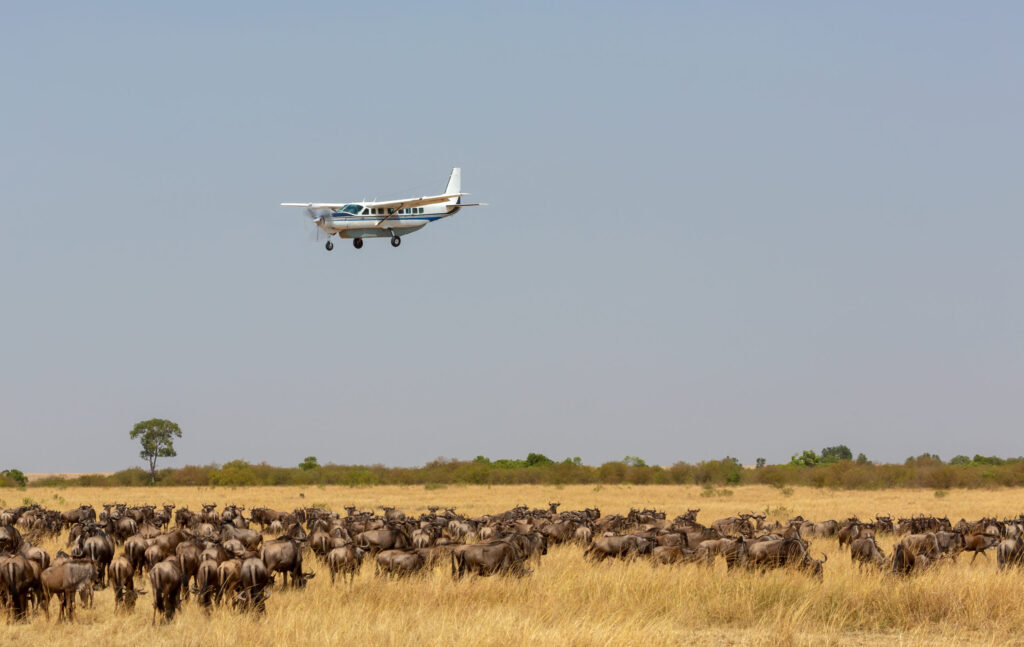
(357, 243)
(396, 241)
(329, 246)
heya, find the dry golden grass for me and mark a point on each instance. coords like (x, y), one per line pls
(570, 602)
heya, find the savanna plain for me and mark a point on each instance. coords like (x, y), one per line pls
(570, 601)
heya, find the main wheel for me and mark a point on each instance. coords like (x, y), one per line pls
(395, 241)
(357, 243)
(329, 246)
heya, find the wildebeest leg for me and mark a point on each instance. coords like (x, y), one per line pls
(974, 556)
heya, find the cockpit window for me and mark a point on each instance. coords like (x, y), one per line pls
(352, 209)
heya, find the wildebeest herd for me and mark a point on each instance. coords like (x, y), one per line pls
(225, 558)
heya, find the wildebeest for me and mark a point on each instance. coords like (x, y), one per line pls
(122, 580)
(734, 551)
(64, 579)
(926, 544)
(623, 546)
(207, 583)
(399, 562)
(284, 555)
(488, 559)
(865, 551)
(777, 553)
(18, 578)
(345, 560)
(165, 582)
(254, 579)
(979, 543)
(676, 554)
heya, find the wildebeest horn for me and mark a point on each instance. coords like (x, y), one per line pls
(825, 558)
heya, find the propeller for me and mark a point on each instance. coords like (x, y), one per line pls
(316, 217)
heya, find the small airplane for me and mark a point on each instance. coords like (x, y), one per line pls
(359, 220)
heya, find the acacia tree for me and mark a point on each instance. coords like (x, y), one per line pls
(157, 439)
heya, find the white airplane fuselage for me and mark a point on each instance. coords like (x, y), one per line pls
(358, 220)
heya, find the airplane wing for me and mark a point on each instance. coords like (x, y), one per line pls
(394, 206)
(406, 203)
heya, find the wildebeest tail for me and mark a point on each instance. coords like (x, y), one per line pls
(12, 587)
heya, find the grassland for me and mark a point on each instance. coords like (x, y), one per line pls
(568, 601)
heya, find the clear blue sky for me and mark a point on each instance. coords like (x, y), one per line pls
(715, 229)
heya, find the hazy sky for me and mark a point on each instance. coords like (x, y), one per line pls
(715, 229)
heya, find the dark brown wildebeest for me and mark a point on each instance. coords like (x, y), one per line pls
(215, 551)
(98, 547)
(165, 582)
(188, 553)
(865, 551)
(374, 541)
(254, 579)
(18, 579)
(903, 560)
(489, 559)
(10, 539)
(345, 560)
(64, 579)
(229, 579)
(622, 546)
(399, 562)
(207, 583)
(169, 541)
(154, 555)
(81, 514)
(122, 580)
(979, 543)
(777, 553)
(135, 550)
(284, 555)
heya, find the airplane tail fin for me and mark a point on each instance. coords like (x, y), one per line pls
(454, 183)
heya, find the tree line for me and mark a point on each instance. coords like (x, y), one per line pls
(925, 471)
(834, 467)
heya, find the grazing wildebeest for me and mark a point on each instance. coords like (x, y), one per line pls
(165, 582)
(865, 551)
(122, 580)
(229, 578)
(64, 579)
(284, 555)
(255, 577)
(251, 539)
(207, 583)
(98, 547)
(345, 560)
(18, 578)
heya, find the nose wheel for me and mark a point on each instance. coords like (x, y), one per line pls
(329, 246)
(357, 243)
(396, 241)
